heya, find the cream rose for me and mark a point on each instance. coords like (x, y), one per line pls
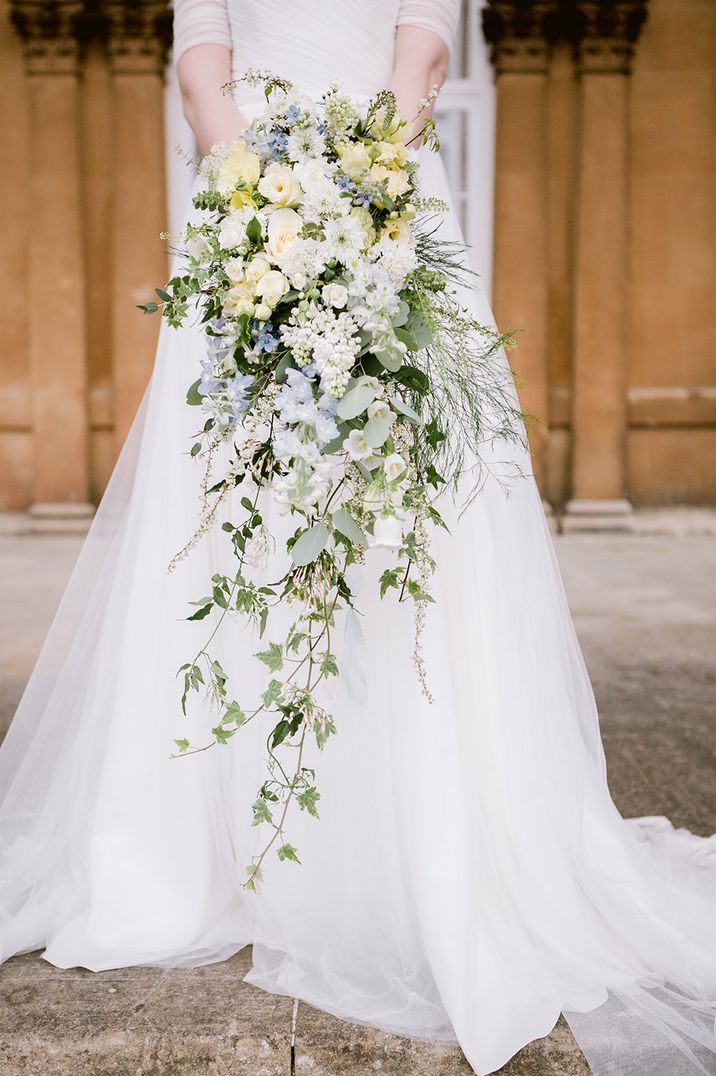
(257, 267)
(283, 228)
(354, 158)
(240, 165)
(279, 185)
(239, 300)
(272, 287)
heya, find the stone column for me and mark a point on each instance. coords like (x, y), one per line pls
(599, 494)
(56, 291)
(519, 52)
(139, 37)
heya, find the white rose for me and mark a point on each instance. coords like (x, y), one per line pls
(335, 295)
(387, 532)
(272, 286)
(262, 312)
(280, 185)
(257, 267)
(312, 176)
(283, 228)
(234, 269)
(232, 232)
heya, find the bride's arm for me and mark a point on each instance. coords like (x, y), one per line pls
(202, 54)
(421, 60)
(213, 117)
(423, 40)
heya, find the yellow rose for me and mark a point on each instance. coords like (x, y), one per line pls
(272, 286)
(365, 219)
(239, 199)
(238, 301)
(354, 158)
(240, 165)
(389, 153)
(398, 230)
(396, 130)
(279, 185)
(398, 182)
(283, 228)
(257, 267)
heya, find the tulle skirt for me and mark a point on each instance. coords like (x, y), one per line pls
(469, 877)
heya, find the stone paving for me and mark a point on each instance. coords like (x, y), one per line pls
(645, 610)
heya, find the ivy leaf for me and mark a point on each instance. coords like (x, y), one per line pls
(148, 308)
(183, 745)
(221, 734)
(344, 522)
(280, 733)
(389, 578)
(272, 693)
(308, 799)
(287, 851)
(233, 715)
(329, 665)
(309, 544)
(324, 729)
(261, 811)
(164, 295)
(273, 657)
(201, 613)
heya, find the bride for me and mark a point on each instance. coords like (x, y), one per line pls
(470, 878)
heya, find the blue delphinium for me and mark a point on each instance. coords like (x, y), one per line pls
(276, 142)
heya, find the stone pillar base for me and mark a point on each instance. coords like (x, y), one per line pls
(60, 518)
(601, 515)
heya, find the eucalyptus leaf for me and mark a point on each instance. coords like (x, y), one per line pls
(405, 409)
(402, 316)
(344, 522)
(193, 397)
(309, 544)
(391, 359)
(355, 402)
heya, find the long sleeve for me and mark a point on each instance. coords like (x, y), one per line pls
(440, 16)
(200, 22)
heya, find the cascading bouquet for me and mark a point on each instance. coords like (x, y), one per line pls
(343, 377)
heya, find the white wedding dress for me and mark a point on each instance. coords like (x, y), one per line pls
(470, 877)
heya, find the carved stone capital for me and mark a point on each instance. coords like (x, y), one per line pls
(515, 31)
(609, 34)
(139, 35)
(602, 32)
(50, 31)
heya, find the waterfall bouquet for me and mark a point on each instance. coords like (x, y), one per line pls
(343, 378)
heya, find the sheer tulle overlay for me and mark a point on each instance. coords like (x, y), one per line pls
(469, 878)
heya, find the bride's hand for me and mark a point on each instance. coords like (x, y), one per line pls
(212, 116)
(421, 60)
